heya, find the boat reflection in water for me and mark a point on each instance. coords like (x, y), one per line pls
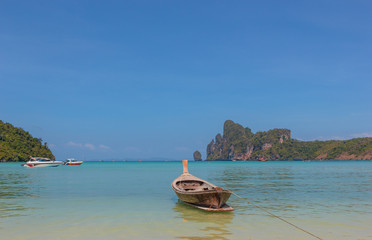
(205, 225)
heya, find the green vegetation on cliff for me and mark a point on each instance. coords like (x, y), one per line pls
(240, 143)
(17, 145)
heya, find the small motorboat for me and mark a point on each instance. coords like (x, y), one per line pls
(41, 162)
(200, 193)
(72, 161)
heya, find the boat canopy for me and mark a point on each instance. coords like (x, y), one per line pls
(71, 160)
(40, 159)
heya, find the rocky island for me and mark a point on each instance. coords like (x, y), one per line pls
(197, 156)
(17, 145)
(239, 143)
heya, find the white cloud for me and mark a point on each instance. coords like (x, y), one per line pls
(81, 145)
(324, 138)
(355, 135)
(74, 144)
(104, 147)
(335, 138)
(89, 146)
(362, 135)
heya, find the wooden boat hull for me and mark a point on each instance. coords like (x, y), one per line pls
(211, 199)
(196, 191)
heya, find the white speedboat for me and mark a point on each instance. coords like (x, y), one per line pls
(72, 161)
(42, 162)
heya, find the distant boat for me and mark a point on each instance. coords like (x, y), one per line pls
(200, 193)
(41, 162)
(72, 161)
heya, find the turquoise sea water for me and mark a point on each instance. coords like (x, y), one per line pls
(134, 200)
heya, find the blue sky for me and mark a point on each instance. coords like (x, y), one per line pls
(150, 79)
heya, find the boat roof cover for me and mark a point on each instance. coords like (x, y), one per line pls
(40, 159)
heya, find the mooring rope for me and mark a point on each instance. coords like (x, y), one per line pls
(261, 208)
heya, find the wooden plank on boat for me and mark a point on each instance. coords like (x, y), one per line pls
(224, 208)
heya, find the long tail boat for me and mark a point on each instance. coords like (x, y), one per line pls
(200, 193)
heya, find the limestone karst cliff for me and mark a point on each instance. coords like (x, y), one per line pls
(239, 143)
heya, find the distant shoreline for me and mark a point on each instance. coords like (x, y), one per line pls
(220, 160)
(292, 160)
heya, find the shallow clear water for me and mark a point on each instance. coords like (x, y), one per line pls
(134, 200)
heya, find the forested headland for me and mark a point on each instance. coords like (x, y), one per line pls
(17, 145)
